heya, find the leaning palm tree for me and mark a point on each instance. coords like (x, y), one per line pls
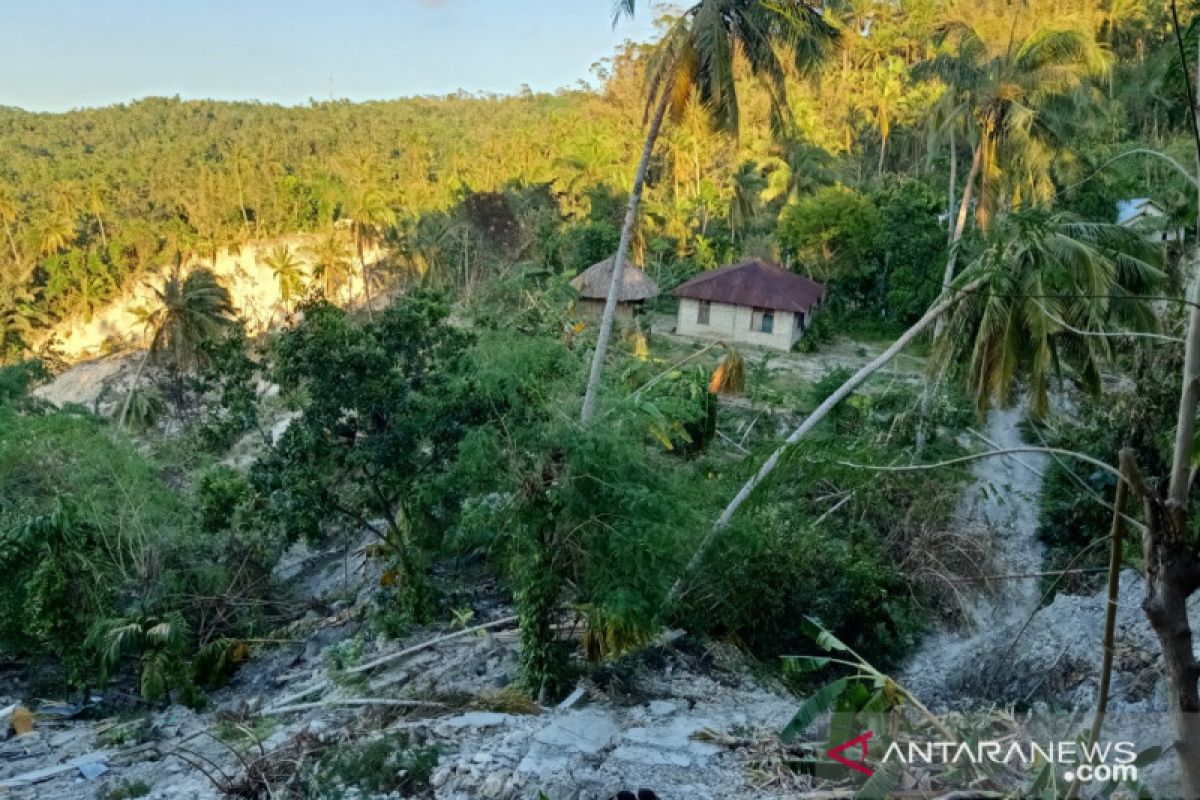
(188, 311)
(1045, 291)
(288, 271)
(330, 262)
(697, 54)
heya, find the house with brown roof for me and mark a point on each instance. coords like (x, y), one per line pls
(754, 302)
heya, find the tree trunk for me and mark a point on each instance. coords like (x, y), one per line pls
(932, 386)
(812, 420)
(12, 243)
(237, 174)
(953, 186)
(614, 288)
(137, 377)
(959, 226)
(366, 276)
(103, 233)
(1115, 553)
(1172, 570)
(1172, 575)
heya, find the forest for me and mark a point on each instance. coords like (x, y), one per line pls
(433, 404)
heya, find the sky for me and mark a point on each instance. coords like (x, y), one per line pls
(61, 54)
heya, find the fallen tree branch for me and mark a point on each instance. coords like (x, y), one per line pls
(1018, 575)
(351, 701)
(37, 776)
(292, 698)
(1095, 462)
(408, 651)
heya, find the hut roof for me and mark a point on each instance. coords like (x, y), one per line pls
(755, 283)
(594, 281)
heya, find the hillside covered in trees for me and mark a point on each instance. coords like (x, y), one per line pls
(91, 199)
(385, 537)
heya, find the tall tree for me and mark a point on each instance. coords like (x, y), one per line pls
(8, 216)
(289, 273)
(1000, 91)
(330, 262)
(369, 214)
(697, 52)
(188, 311)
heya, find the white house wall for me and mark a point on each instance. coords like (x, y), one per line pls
(732, 324)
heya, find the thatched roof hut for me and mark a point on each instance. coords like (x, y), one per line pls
(593, 283)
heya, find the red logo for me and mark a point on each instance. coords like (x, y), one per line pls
(861, 764)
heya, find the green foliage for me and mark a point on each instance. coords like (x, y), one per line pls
(1051, 282)
(680, 411)
(158, 643)
(829, 543)
(584, 245)
(381, 417)
(832, 234)
(1073, 525)
(127, 790)
(220, 493)
(390, 763)
(17, 379)
(912, 245)
(103, 561)
(768, 570)
(585, 519)
(225, 383)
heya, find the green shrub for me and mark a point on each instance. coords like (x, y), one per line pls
(105, 572)
(770, 570)
(388, 764)
(127, 790)
(221, 491)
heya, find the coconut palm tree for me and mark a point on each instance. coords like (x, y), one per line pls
(797, 168)
(1057, 292)
(188, 311)
(697, 53)
(288, 271)
(369, 215)
(1001, 92)
(56, 234)
(747, 185)
(330, 262)
(9, 213)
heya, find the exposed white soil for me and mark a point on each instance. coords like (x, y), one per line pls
(252, 286)
(1019, 653)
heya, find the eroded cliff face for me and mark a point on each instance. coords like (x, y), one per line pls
(244, 272)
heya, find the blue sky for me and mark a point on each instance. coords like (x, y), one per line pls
(61, 54)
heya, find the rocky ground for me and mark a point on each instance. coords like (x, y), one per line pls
(664, 720)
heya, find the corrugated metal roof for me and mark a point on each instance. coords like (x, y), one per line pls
(755, 283)
(1135, 207)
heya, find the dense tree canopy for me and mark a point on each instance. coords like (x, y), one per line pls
(91, 199)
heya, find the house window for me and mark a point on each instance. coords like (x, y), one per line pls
(702, 312)
(762, 320)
